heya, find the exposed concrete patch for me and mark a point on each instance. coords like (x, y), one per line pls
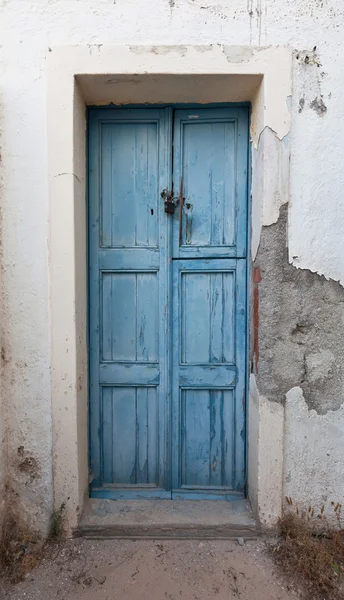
(301, 326)
(308, 57)
(240, 54)
(309, 77)
(200, 48)
(237, 54)
(181, 50)
(314, 458)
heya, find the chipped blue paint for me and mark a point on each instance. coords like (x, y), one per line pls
(150, 438)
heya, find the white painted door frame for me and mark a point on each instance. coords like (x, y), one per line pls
(98, 75)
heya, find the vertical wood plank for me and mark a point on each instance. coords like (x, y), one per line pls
(241, 184)
(217, 321)
(196, 429)
(147, 333)
(106, 435)
(228, 439)
(124, 435)
(239, 431)
(123, 185)
(141, 435)
(216, 433)
(196, 308)
(123, 316)
(146, 185)
(105, 205)
(153, 435)
(94, 185)
(229, 313)
(230, 201)
(106, 334)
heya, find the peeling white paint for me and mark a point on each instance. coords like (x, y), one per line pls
(270, 182)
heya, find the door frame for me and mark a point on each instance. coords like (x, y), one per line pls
(75, 79)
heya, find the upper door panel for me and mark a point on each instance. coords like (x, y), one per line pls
(210, 167)
(130, 180)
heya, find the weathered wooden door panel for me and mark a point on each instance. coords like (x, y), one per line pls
(130, 429)
(209, 311)
(209, 376)
(129, 163)
(210, 156)
(206, 440)
(148, 435)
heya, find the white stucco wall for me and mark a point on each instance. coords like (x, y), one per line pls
(316, 211)
(2, 460)
(314, 463)
(265, 456)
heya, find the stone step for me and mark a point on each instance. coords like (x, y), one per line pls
(167, 519)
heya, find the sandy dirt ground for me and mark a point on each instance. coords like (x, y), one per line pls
(156, 570)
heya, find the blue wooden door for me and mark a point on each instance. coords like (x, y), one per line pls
(167, 302)
(209, 308)
(129, 163)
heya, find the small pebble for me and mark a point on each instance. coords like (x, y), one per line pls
(240, 541)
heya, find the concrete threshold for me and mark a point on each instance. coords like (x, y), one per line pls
(167, 519)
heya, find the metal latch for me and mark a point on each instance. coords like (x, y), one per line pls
(169, 203)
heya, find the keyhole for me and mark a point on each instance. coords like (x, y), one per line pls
(152, 211)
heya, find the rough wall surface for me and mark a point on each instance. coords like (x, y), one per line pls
(297, 356)
(314, 463)
(3, 466)
(301, 326)
(265, 456)
(314, 30)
